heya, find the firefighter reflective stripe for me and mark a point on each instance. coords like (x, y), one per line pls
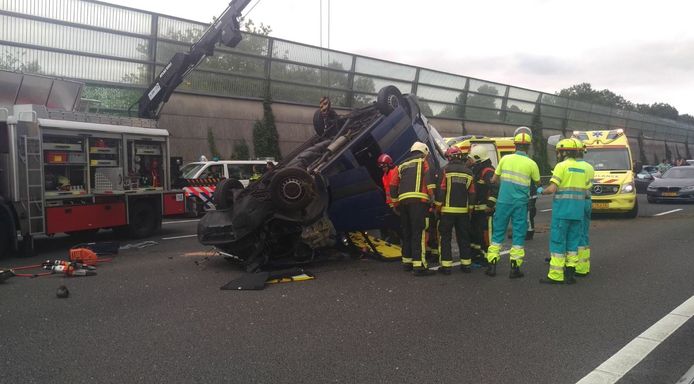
(465, 261)
(515, 178)
(411, 174)
(556, 267)
(479, 207)
(420, 261)
(406, 260)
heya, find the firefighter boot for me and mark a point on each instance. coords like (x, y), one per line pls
(515, 271)
(407, 267)
(422, 271)
(491, 268)
(569, 273)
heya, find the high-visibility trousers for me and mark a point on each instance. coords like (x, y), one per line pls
(415, 222)
(583, 265)
(480, 236)
(517, 214)
(563, 246)
(461, 223)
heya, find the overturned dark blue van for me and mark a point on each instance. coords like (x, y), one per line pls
(327, 187)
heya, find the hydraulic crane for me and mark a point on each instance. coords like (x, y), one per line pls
(225, 30)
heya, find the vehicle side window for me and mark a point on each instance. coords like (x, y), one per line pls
(247, 171)
(212, 172)
(235, 172)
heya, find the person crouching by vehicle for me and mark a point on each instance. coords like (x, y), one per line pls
(411, 191)
(569, 183)
(385, 162)
(483, 203)
(456, 191)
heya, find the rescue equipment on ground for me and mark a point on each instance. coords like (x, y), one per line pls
(257, 281)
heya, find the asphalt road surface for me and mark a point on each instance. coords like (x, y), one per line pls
(157, 315)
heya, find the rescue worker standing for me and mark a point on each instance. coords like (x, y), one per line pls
(570, 182)
(453, 197)
(583, 264)
(411, 191)
(515, 173)
(385, 162)
(484, 201)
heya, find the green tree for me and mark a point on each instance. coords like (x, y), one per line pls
(486, 97)
(664, 110)
(265, 136)
(585, 92)
(11, 62)
(240, 151)
(457, 110)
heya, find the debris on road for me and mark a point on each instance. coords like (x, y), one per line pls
(62, 292)
(257, 281)
(141, 245)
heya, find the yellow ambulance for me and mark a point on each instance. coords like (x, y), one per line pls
(497, 147)
(613, 187)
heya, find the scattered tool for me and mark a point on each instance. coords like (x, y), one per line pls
(6, 274)
(256, 281)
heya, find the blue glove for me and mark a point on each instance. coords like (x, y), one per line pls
(539, 190)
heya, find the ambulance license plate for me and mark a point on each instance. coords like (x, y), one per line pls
(601, 205)
(669, 193)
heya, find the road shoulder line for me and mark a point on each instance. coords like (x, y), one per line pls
(636, 350)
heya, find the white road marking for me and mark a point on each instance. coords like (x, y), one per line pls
(177, 237)
(628, 357)
(546, 210)
(179, 221)
(688, 377)
(667, 212)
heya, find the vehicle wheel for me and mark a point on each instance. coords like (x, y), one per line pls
(291, 189)
(388, 99)
(634, 211)
(143, 221)
(4, 240)
(223, 196)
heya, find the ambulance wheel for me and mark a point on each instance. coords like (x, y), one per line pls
(634, 212)
(143, 221)
(291, 189)
(388, 99)
(223, 196)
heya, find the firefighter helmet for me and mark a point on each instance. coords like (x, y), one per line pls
(420, 147)
(522, 139)
(384, 160)
(479, 153)
(454, 153)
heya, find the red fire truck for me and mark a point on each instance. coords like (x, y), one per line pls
(63, 171)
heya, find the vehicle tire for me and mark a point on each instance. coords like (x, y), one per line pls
(223, 196)
(291, 189)
(4, 239)
(388, 99)
(143, 220)
(634, 211)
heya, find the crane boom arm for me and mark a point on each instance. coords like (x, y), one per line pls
(225, 30)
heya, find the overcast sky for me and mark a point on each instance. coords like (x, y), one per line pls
(642, 50)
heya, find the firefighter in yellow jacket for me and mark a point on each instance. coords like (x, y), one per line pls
(570, 182)
(411, 191)
(453, 197)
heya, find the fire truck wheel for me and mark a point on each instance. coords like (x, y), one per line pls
(388, 99)
(143, 220)
(4, 239)
(291, 189)
(223, 197)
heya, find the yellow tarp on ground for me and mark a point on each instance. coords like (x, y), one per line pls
(374, 246)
